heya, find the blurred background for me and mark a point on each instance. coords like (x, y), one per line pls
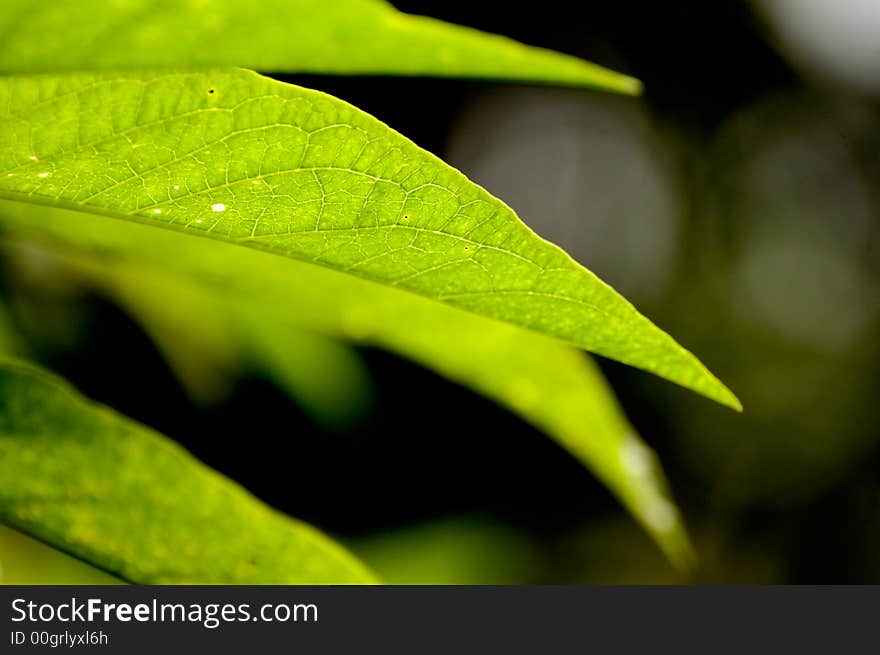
(737, 203)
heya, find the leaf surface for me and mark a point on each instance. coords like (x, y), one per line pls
(79, 476)
(299, 36)
(240, 158)
(26, 561)
(205, 283)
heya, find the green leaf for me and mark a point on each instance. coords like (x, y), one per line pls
(207, 340)
(10, 340)
(237, 157)
(554, 387)
(328, 379)
(453, 550)
(78, 476)
(26, 561)
(300, 36)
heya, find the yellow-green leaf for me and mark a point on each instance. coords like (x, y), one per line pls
(240, 158)
(552, 386)
(78, 476)
(301, 36)
(24, 560)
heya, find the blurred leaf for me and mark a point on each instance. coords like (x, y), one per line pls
(612, 552)
(10, 340)
(212, 338)
(300, 36)
(80, 477)
(455, 550)
(26, 561)
(328, 379)
(204, 355)
(241, 158)
(553, 387)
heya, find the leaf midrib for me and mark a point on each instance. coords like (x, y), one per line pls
(189, 229)
(186, 230)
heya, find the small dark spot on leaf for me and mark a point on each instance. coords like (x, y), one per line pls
(210, 90)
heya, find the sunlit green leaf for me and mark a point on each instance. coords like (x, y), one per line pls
(554, 387)
(241, 158)
(302, 36)
(79, 477)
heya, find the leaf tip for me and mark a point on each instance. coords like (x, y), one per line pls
(630, 86)
(727, 398)
(681, 554)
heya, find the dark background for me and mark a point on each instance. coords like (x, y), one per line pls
(741, 164)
